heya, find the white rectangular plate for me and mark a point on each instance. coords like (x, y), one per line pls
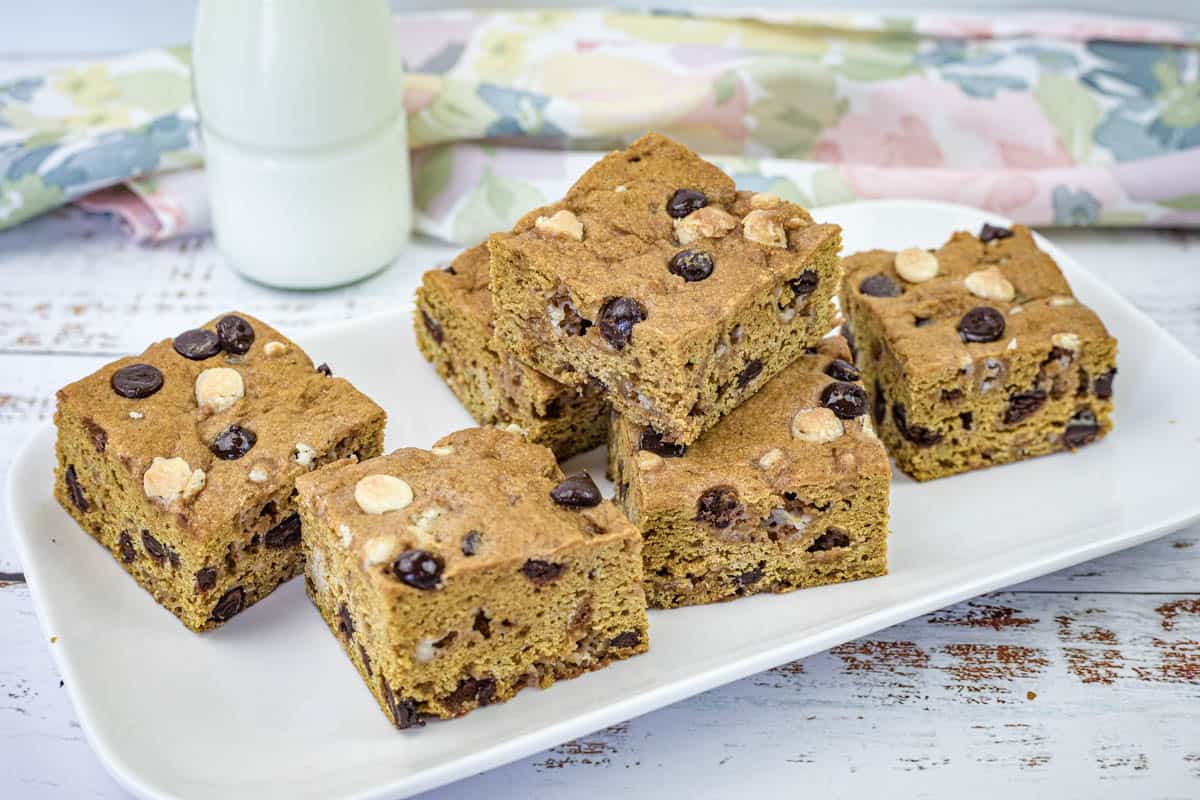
(269, 707)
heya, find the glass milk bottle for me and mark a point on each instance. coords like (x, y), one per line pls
(303, 126)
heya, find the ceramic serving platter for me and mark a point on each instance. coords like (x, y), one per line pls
(269, 707)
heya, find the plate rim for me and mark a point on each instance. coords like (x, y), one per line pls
(824, 637)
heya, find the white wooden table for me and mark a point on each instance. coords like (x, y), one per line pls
(1086, 682)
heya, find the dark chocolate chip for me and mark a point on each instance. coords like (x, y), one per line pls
(137, 381)
(471, 542)
(1081, 429)
(967, 419)
(554, 409)
(626, 639)
(990, 232)
(749, 577)
(449, 269)
(325, 370)
(617, 318)
(691, 265)
(285, 534)
(486, 692)
(981, 324)
(235, 334)
(652, 440)
(831, 538)
(1023, 404)
(878, 405)
(1103, 385)
(125, 543)
(749, 373)
(99, 437)
(197, 344)
(230, 605)
(403, 710)
(366, 659)
(345, 622)
(233, 443)
(206, 579)
(846, 400)
(573, 323)
(153, 546)
(419, 569)
(542, 572)
(842, 370)
(577, 491)
(466, 691)
(921, 322)
(804, 284)
(880, 285)
(78, 498)
(848, 335)
(719, 506)
(684, 202)
(482, 624)
(921, 437)
(951, 395)
(173, 557)
(435, 330)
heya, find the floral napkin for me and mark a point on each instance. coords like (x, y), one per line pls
(1047, 118)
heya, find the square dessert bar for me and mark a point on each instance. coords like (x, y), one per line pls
(454, 332)
(657, 278)
(182, 461)
(977, 353)
(455, 577)
(790, 490)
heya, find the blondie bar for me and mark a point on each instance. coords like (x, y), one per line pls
(977, 353)
(455, 577)
(454, 332)
(657, 278)
(790, 490)
(182, 461)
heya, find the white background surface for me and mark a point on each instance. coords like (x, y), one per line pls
(1086, 683)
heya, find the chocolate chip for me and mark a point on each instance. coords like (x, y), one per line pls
(749, 577)
(542, 572)
(626, 639)
(125, 544)
(197, 344)
(831, 538)
(1103, 385)
(878, 405)
(577, 491)
(921, 437)
(1081, 429)
(137, 381)
(230, 605)
(99, 437)
(235, 334)
(990, 232)
(233, 443)
(981, 324)
(325, 370)
(691, 265)
(366, 659)
(471, 542)
(572, 323)
(951, 395)
(404, 711)
(921, 322)
(846, 400)
(652, 440)
(482, 624)
(617, 318)
(880, 285)
(848, 335)
(206, 579)
(967, 419)
(419, 569)
(285, 534)
(804, 284)
(842, 370)
(749, 373)
(449, 269)
(684, 202)
(486, 692)
(345, 621)
(465, 692)
(1023, 404)
(153, 546)
(554, 409)
(435, 330)
(719, 506)
(78, 498)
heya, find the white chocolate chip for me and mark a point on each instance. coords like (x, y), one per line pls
(647, 461)
(378, 494)
(620, 188)
(1015, 310)
(424, 521)
(1061, 300)
(563, 224)
(171, 479)
(444, 450)
(916, 265)
(305, 454)
(770, 458)
(136, 415)
(765, 227)
(816, 425)
(1067, 341)
(379, 549)
(709, 222)
(990, 284)
(316, 570)
(1012, 344)
(219, 388)
(425, 650)
(258, 475)
(764, 200)
(966, 364)
(512, 427)
(274, 348)
(345, 534)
